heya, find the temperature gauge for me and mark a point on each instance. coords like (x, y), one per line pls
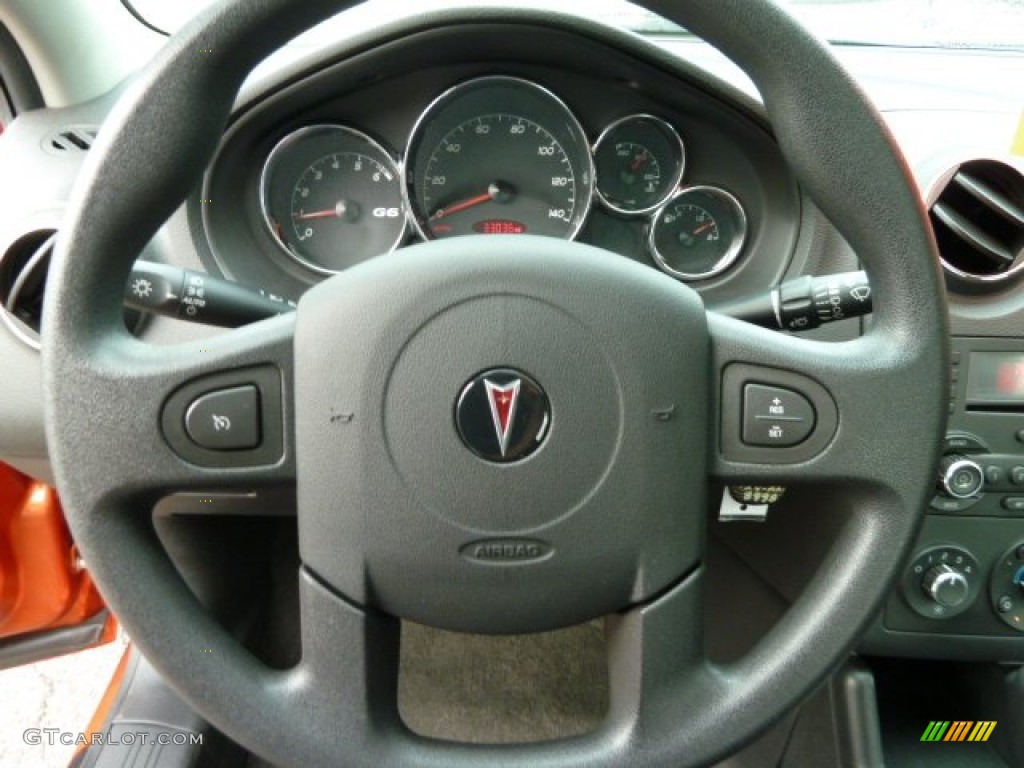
(639, 162)
(699, 233)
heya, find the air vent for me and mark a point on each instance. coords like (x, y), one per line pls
(978, 217)
(23, 270)
(76, 138)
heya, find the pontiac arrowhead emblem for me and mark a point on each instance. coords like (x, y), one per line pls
(503, 400)
(502, 415)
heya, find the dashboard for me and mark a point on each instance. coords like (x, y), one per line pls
(524, 125)
(598, 147)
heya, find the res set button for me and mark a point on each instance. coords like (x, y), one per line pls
(774, 417)
(225, 420)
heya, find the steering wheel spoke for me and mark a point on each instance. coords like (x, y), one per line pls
(786, 405)
(349, 667)
(655, 650)
(208, 415)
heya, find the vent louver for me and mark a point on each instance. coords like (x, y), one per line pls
(77, 138)
(978, 218)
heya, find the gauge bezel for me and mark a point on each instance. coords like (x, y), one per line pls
(731, 254)
(287, 144)
(419, 219)
(680, 162)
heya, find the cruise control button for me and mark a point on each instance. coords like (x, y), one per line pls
(225, 420)
(1017, 475)
(775, 417)
(1014, 503)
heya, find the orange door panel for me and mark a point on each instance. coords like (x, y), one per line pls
(42, 585)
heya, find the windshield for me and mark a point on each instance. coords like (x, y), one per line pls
(925, 23)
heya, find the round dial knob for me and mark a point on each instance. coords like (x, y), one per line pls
(960, 477)
(946, 585)
(1006, 587)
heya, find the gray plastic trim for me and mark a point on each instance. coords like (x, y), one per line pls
(28, 649)
(858, 730)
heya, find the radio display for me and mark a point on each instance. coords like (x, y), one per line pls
(996, 377)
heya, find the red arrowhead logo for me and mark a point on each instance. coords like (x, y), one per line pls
(503, 400)
(502, 415)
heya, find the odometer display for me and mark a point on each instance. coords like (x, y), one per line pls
(499, 227)
(498, 155)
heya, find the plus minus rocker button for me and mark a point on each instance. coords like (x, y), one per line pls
(774, 417)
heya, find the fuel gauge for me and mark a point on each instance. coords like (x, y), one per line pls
(699, 233)
(639, 162)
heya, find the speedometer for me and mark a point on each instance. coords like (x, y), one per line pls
(498, 155)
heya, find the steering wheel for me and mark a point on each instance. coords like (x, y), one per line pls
(626, 398)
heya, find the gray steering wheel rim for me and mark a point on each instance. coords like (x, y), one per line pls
(849, 166)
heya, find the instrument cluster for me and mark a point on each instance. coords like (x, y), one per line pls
(493, 155)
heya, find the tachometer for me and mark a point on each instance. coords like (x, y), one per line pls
(498, 155)
(332, 197)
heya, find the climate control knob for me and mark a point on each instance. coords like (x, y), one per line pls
(1006, 587)
(945, 585)
(960, 477)
(941, 582)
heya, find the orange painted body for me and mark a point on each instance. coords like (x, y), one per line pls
(41, 583)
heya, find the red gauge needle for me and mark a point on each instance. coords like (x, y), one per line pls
(345, 210)
(638, 162)
(703, 227)
(331, 214)
(440, 213)
(497, 191)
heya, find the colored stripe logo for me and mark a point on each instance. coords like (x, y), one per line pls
(1017, 145)
(958, 730)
